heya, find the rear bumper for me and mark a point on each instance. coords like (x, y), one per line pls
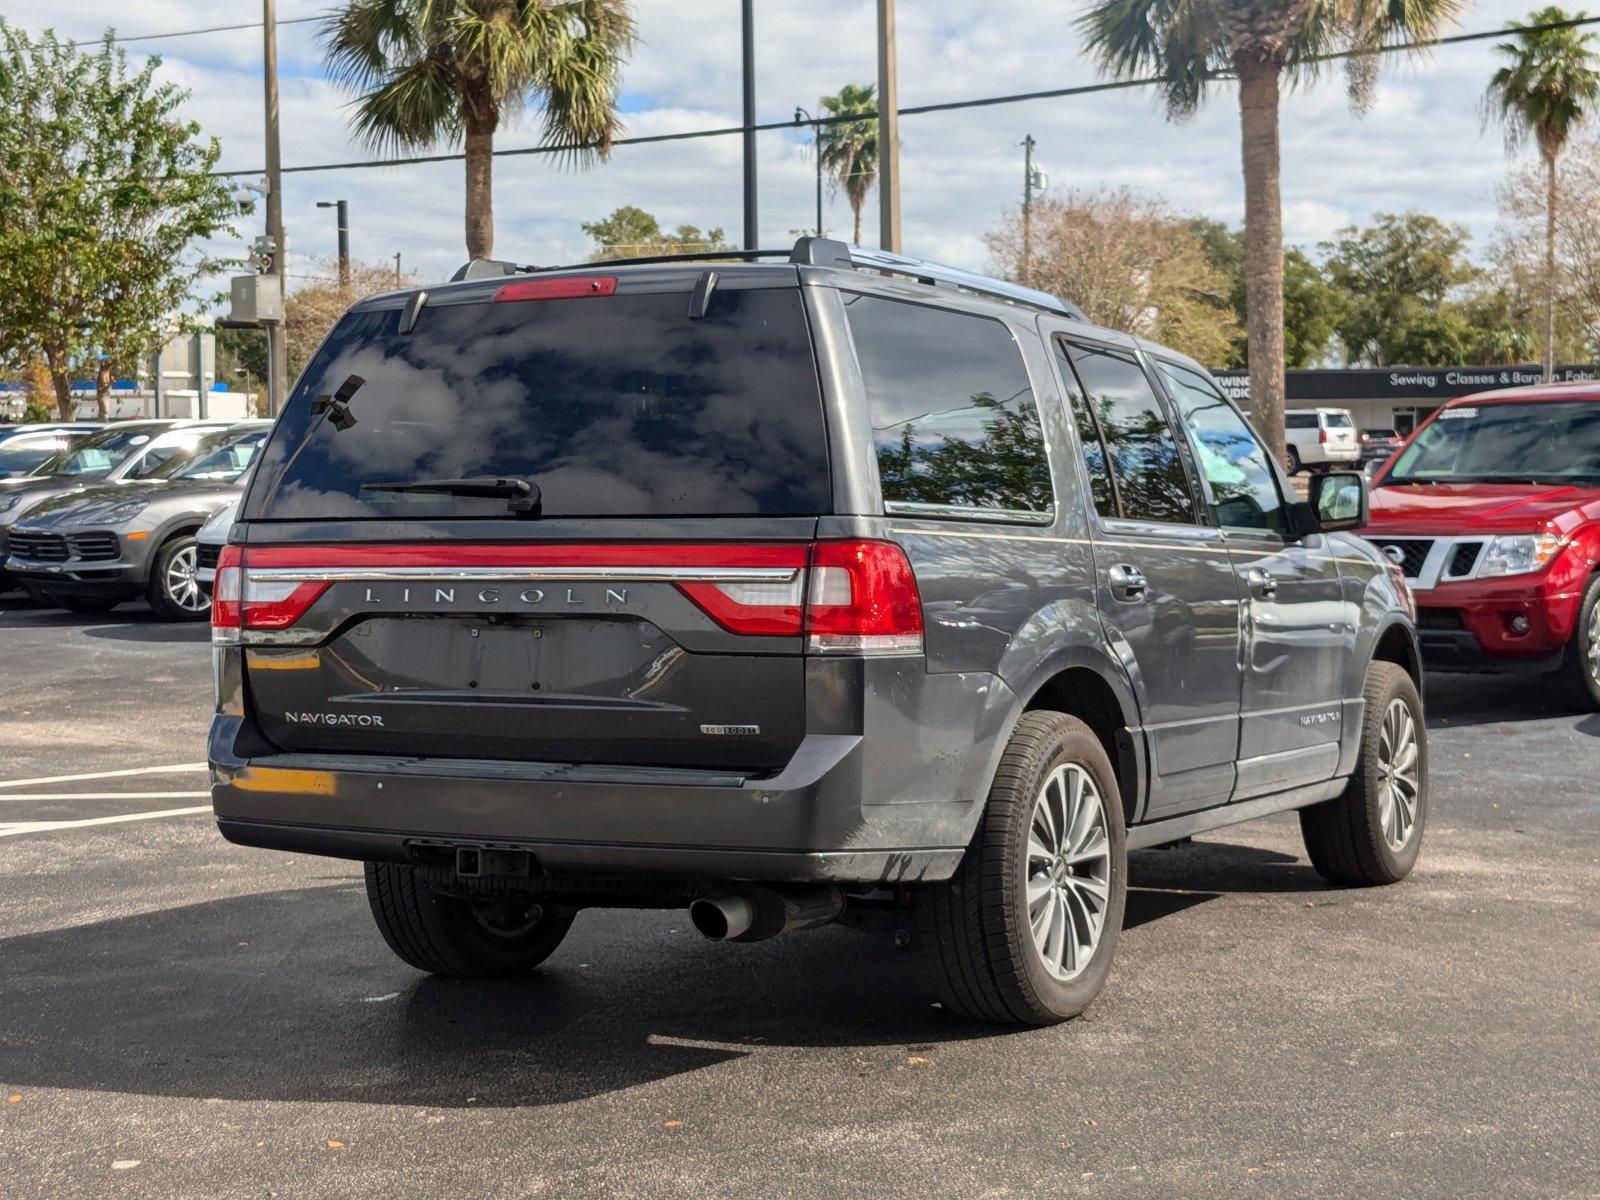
(876, 807)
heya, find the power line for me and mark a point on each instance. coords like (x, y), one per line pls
(1084, 89)
(179, 33)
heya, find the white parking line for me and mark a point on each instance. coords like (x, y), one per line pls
(176, 769)
(16, 828)
(103, 796)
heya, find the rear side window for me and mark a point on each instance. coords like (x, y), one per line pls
(954, 419)
(1300, 420)
(613, 406)
(1135, 438)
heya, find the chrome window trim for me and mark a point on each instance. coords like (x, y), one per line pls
(966, 512)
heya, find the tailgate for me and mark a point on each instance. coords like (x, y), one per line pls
(582, 654)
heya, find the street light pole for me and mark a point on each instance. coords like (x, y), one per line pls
(752, 220)
(343, 216)
(277, 344)
(888, 133)
(801, 116)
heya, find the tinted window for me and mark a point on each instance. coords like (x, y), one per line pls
(953, 414)
(20, 455)
(1145, 461)
(1337, 420)
(1300, 420)
(1094, 450)
(1244, 491)
(613, 406)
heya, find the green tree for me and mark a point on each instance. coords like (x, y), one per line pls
(432, 71)
(1310, 305)
(1400, 279)
(630, 232)
(850, 148)
(105, 209)
(1190, 44)
(1545, 91)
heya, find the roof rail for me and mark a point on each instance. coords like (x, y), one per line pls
(820, 252)
(825, 252)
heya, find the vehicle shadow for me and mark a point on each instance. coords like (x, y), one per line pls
(290, 995)
(1457, 701)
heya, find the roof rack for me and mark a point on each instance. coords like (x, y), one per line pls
(821, 252)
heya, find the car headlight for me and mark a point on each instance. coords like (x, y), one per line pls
(118, 513)
(1519, 553)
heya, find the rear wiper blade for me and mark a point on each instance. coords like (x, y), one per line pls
(522, 493)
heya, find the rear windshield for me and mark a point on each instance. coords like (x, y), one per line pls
(1337, 420)
(618, 406)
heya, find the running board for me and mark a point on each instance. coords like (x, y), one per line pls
(1159, 833)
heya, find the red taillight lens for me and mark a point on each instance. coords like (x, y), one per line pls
(1322, 437)
(243, 601)
(759, 590)
(572, 287)
(862, 599)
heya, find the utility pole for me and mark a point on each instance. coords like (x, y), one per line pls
(801, 116)
(888, 133)
(397, 268)
(343, 217)
(752, 219)
(277, 344)
(1027, 208)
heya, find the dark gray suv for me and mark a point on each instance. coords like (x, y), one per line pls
(846, 587)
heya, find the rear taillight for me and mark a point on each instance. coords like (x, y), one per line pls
(855, 597)
(242, 602)
(1322, 437)
(862, 599)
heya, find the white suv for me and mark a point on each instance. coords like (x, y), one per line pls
(1319, 438)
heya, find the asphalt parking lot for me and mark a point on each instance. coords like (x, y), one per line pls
(180, 1017)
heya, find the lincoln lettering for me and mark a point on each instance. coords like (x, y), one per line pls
(489, 596)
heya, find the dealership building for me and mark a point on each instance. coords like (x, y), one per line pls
(1394, 397)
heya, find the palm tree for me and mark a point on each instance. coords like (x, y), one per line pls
(430, 71)
(850, 148)
(1190, 44)
(1545, 92)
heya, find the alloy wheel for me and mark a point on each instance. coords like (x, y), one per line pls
(182, 586)
(1398, 788)
(1069, 870)
(1593, 638)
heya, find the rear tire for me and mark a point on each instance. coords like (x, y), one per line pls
(467, 939)
(1373, 833)
(1294, 460)
(1025, 931)
(174, 592)
(1580, 667)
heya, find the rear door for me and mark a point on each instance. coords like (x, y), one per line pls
(1299, 634)
(1166, 587)
(642, 608)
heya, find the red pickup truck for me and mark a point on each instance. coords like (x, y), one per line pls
(1492, 511)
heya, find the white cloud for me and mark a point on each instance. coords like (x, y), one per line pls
(1421, 145)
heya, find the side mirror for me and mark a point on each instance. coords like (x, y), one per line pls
(1339, 500)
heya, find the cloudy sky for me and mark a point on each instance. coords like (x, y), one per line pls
(1420, 146)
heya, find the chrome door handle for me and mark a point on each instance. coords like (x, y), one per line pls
(1262, 585)
(1127, 582)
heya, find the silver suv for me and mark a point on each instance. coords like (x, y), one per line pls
(842, 586)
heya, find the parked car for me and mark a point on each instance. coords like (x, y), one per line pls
(88, 551)
(126, 451)
(790, 591)
(23, 450)
(1492, 510)
(1378, 445)
(213, 536)
(1319, 438)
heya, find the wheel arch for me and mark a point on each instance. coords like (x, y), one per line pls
(1397, 643)
(1087, 684)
